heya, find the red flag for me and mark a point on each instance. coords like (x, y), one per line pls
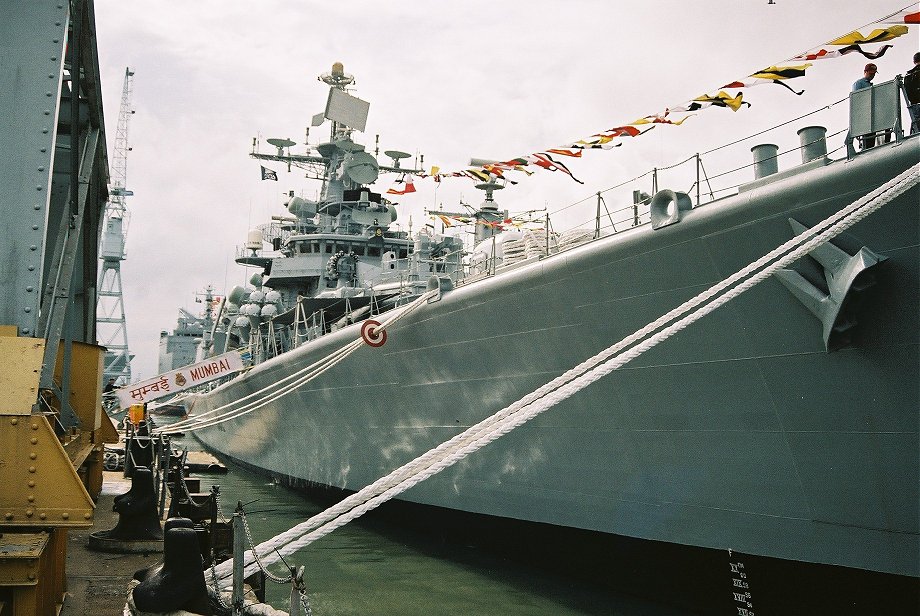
(542, 159)
(620, 131)
(576, 154)
(410, 188)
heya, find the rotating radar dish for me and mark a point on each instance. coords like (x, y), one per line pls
(396, 155)
(361, 168)
(280, 143)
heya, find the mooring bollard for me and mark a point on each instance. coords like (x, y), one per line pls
(138, 528)
(142, 574)
(179, 584)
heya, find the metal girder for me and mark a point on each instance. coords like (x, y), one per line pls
(59, 291)
(53, 183)
(47, 100)
(32, 38)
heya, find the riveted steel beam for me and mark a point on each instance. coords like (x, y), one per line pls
(32, 39)
(41, 486)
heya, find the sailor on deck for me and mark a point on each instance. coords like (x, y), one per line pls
(869, 72)
(868, 76)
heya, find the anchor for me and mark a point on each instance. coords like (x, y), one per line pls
(847, 278)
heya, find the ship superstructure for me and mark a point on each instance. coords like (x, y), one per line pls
(334, 260)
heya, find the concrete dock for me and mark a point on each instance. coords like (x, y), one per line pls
(97, 583)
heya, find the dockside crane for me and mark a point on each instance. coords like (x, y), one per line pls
(110, 308)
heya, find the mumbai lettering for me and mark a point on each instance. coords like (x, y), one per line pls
(211, 369)
(160, 385)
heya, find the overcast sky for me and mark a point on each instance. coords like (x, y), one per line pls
(449, 80)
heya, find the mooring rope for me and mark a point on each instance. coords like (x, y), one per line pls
(288, 384)
(574, 380)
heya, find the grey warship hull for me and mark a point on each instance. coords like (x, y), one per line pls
(742, 432)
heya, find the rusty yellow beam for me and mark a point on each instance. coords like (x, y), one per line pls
(22, 360)
(41, 487)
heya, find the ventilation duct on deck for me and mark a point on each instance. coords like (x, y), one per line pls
(765, 160)
(813, 143)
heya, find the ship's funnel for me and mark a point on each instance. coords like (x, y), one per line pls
(765, 161)
(813, 143)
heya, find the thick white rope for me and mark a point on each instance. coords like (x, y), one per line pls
(279, 389)
(535, 403)
(306, 375)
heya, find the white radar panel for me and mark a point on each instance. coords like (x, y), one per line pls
(346, 109)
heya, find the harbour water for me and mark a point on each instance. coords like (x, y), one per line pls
(374, 567)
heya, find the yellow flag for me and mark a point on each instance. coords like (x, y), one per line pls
(723, 99)
(782, 72)
(876, 36)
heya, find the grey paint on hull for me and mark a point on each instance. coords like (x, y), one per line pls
(740, 432)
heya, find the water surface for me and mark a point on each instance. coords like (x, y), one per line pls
(374, 567)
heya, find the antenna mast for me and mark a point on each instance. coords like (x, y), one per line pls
(110, 309)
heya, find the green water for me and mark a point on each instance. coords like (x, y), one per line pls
(372, 568)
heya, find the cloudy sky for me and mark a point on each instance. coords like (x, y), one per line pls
(448, 80)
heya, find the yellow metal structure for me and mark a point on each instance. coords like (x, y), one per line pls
(85, 446)
(22, 361)
(85, 382)
(52, 427)
(40, 485)
(32, 576)
(48, 479)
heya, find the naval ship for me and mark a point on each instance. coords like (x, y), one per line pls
(765, 457)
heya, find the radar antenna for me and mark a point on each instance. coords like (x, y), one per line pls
(110, 309)
(280, 144)
(396, 155)
(337, 77)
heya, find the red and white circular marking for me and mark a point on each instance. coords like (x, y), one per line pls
(371, 335)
